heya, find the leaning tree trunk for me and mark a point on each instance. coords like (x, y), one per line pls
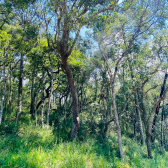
(76, 121)
(158, 107)
(149, 123)
(20, 89)
(3, 95)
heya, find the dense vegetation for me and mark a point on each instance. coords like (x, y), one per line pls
(74, 100)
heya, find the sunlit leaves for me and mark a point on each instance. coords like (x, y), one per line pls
(4, 38)
(76, 58)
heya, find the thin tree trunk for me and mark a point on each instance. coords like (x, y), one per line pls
(35, 110)
(3, 95)
(162, 141)
(144, 108)
(139, 119)
(32, 106)
(112, 82)
(106, 118)
(81, 100)
(42, 110)
(20, 89)
(117, 122)
(76, 120)
(135, 124)
(49, 100)
(10, 89)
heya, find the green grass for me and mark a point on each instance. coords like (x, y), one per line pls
(33, 147)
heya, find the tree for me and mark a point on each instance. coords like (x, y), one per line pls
(116, 43)
(71, 17)
(4, 44)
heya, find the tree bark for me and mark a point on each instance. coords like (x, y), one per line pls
(148, 136)
(162, 140)
(10, 89)
(44, 97)
(135, 124)
(149, 123)
(112, 82)
(3, 95)
(42, 110)
(157, 108)
(139, 119)
(35, 110)
(20, 89)
(42, 114)
(76, 120)
(49, 99)
(117, 122)
(32, 106)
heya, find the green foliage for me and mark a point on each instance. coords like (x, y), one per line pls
(76, 58)
(36, 147)
(44, 34)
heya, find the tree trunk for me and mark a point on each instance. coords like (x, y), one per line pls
(117, 122)
(35, 110)
(42, 110)
(10, 89)
(32, 106)
(20, 89)
(76, 120)
(148, 136)
(144, 109)
(112, 82)
(49, 100)
(149, 123)
(158, 107)
(135, 124)
(106, 118)
(139, 119)
(3, 95)
(162, 141)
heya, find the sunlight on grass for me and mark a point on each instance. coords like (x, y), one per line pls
(38, 148)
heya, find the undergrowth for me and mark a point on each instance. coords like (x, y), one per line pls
(34, 147)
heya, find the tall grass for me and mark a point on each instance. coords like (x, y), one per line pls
(33, 147)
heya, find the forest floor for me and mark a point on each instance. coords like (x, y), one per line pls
(33, 147)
